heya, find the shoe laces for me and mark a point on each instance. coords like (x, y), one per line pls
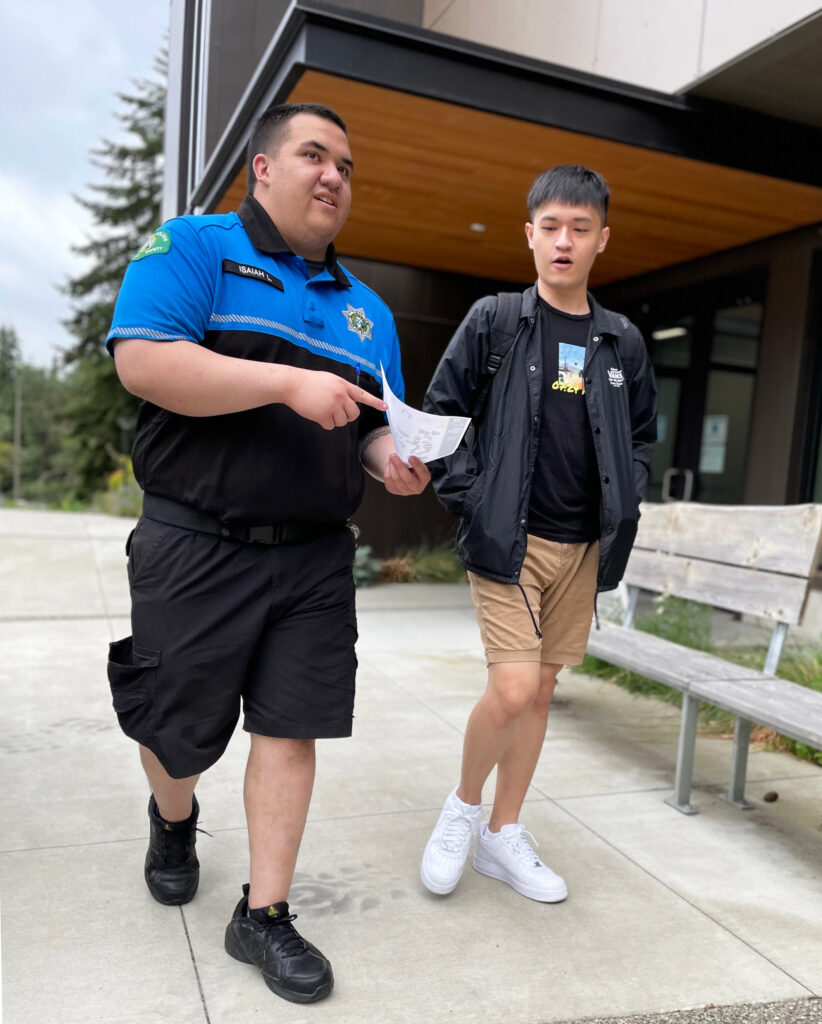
(178, 844)
(456, 828)
(289, 940)
(518, 843)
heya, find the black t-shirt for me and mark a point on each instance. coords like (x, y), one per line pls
(565, 492)
(314, 267)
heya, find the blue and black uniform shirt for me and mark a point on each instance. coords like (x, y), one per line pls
(230, 283)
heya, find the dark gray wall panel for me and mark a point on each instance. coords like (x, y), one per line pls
(240, 32)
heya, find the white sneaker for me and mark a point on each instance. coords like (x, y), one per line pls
(508, 856)
(446, 851)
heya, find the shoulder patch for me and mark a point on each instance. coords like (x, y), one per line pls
(159, 242)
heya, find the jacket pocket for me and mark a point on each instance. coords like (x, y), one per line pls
(474, 494)
(132, 675)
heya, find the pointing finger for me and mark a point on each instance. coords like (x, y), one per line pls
(366, 398)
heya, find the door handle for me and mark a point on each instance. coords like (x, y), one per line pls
(687, 487)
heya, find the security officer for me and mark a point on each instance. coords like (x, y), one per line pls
(258, 358)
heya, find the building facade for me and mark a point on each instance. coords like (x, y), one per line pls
(705, 125)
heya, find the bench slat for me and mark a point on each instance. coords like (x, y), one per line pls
(766, 594)
(747, 559)
(783, 539)
(789, 708)
(662, 660)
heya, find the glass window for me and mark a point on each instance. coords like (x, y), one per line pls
(670, 343)
(724, 445)
(736, 335)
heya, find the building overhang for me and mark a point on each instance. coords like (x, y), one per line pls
(779, 76)
(447, 134)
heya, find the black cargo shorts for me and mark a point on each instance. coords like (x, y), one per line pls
(218, 624)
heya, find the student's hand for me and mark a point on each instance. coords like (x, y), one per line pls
(400, 479)
(327, 399)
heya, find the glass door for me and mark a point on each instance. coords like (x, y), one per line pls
(729, 395)
(704, 344)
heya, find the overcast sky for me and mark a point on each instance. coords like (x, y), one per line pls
(61, 66)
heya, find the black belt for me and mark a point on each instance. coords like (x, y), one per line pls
(163, 510)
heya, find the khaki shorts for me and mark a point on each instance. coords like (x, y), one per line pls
(560, 582)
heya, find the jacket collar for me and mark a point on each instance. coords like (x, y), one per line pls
(266, 238)
(606, 322)
(603, 320)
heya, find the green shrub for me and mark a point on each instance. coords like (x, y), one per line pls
(366, 567)
(122, 496)
(436, 564)
(424, 564)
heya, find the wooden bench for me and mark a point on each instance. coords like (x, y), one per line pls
(751, 559)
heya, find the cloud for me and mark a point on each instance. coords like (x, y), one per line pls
(61, 67)
(40, 233)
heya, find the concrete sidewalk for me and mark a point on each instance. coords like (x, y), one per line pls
(666, 913)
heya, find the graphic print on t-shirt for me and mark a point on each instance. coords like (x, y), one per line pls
(571, 361)
(565, 490)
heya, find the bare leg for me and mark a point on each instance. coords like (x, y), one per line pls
(519, 761)
(512, 687)
(173, 796)
(279, 778)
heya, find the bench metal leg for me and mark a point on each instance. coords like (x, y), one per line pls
(685, 757)
(629, 606)
(780, 631)
(739, 765)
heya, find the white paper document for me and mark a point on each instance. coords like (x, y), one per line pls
(421, 433)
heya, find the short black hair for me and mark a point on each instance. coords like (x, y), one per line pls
(270, 128)
(571, 185)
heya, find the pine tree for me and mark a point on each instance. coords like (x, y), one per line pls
(125, 208)
(9, 361)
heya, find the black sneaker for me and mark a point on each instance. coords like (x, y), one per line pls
(292, 968)
(172, 870)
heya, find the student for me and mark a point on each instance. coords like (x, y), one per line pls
(547, 495)
(258, 356)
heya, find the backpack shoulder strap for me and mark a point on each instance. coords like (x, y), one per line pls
(503, 335)
(503, 328)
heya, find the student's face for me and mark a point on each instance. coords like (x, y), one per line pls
(306, 184)
(566, 240)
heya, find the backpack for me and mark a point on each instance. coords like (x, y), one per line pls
(504, 332)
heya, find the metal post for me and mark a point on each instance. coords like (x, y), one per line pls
(739, 765)
(685, 757)
(17, 447)
(780, 631)
(630, 607)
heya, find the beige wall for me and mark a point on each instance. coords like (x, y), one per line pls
(660, 45)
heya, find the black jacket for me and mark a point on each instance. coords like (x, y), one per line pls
(487, 481)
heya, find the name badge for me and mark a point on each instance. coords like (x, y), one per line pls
(257, 273)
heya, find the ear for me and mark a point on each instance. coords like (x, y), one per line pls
(261, 167)
(529, 234)
(604, 235)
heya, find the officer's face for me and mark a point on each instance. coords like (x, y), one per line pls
(566, 240)
(306, 185)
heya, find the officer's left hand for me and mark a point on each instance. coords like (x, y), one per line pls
(402, 479)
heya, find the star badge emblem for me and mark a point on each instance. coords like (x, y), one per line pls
(357, 322)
